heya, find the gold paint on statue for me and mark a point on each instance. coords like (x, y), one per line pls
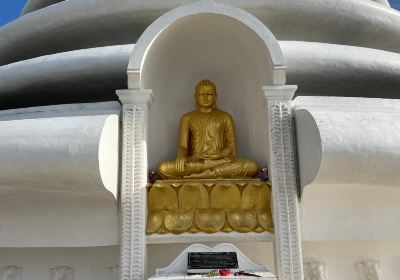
(179, 222)
(209, 205)
(193, 196)
(207, 143)
(197, 199)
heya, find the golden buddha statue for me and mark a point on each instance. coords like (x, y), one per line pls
(207, 143)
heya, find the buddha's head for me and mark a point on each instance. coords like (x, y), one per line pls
(205, 94)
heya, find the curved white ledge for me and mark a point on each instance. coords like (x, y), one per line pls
(349, 157)
(316, 68)
(208, 238)
(337, 70)
(33, 5)
(77, 76)
(348, 141)
(57, 153)
(74, 24)
(58, 178)
(382, 2)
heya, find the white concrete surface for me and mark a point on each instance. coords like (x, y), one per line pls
(60, 154)
(342, 206)
(338, 70)
(75, 24)
(342, 257)
(349, 212)
(181, 264)
(238, 66)
(87, 263)
(348, 153)
(161, 255)
(95, 263)
(348, 140)
(229, 19)
(76, 76)
(368, 269)
(58, 180)
(317, 68)
(33, 5)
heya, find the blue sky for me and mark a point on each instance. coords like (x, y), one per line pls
(10, 9)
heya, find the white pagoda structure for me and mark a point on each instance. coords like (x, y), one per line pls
(91, 92)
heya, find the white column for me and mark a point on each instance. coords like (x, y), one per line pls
(136, 104)
(287, 245)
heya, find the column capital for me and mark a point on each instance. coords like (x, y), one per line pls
(136, 96)
(283, 93)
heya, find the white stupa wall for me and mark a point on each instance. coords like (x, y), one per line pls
(95, 263)
(58, 179)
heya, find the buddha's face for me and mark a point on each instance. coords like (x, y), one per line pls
(206, 96)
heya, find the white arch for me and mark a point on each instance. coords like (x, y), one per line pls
(145, 42)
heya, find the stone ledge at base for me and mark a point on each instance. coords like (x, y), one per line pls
(212, 205)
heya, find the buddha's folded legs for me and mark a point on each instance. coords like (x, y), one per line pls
(168, 170)
(238, 168)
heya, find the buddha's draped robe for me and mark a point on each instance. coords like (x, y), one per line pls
(205, 136)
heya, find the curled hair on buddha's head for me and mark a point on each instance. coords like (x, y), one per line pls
(205, 82)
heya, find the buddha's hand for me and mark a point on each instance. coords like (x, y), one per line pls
(211, 157)
(227, 154)
(180, 164)
(216, 162)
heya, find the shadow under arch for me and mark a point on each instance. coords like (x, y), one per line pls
(207, 40)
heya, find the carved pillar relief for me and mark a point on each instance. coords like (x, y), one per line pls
(11, 272)
(368, 270)
(288, 257)
(62, 273)
(136, 104)
(315, 270)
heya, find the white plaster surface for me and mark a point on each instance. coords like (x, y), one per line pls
(161, 255)
(368, 270)
(180, 264)
(74, 24)
(348, 141)
(87, 263)
(315, 270)
(94, 263)
(113, 273)
(238, 66)
(338, 70)
(348, 152)
(96, 72)
(60, 153)
(223, 16)
(81, 75)
(62, 273)
(33, 5)
(350, 212)
(11, 272)
(205, 237)
(58, 179)
(341, 257)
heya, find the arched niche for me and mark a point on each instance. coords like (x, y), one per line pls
(207, 40)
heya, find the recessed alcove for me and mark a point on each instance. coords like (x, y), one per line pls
(207, 46)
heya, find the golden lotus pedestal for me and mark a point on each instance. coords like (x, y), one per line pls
(209, 205)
